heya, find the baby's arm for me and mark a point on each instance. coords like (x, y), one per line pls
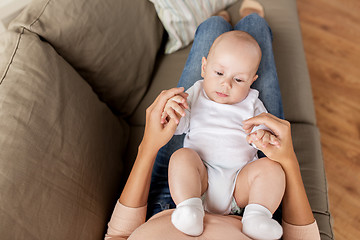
(175, 108)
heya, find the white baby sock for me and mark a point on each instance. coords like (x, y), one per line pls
(258, 223)
(188, 217)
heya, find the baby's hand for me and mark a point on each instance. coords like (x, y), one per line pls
(262, 138)
(175, 108)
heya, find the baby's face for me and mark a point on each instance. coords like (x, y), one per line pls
(229, 71)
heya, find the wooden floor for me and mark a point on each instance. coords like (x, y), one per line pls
(331, 36)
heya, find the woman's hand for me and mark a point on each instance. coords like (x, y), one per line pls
(280, 148)
(175, 108)
(157, 134)
(296, 209)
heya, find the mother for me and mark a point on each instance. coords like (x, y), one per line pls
(129, 217)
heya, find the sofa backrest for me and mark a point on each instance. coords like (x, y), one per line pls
(61, 148)
(112, 44)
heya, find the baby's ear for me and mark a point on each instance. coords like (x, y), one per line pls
(203, 66)
(255, 77)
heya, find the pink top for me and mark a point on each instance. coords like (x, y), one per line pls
(129, 223)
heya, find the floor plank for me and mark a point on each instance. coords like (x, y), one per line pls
(331, 35)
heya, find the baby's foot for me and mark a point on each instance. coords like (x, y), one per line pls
(258, 223)
(188, 217)
(251, 6)
(224, 14)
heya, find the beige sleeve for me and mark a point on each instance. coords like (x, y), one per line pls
(307, 232)
(124, 221)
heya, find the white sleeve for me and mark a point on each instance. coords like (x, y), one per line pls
(258, 109)
(184, 124)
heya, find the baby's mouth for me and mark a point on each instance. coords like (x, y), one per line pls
(220, 94)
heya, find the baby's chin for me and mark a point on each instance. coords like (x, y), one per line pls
(224, 100)
(218, 97)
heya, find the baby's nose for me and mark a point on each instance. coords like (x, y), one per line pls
(226, 82)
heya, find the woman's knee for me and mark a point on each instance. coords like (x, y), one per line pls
(256, 26)
(213, 27)
(251, 21)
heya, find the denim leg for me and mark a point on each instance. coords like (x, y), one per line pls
(159, 195)
(267, 84)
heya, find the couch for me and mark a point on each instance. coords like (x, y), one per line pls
(76, 78)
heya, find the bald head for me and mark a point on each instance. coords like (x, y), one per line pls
(237, 42)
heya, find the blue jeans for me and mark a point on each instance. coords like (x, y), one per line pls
(267, 84)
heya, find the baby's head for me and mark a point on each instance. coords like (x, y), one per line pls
(231, 66)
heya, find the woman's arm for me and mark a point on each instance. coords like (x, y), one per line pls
(156, 135)
(130, 211)
(296, 209)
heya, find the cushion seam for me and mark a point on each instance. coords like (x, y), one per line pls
(40, 14)
(12, 56)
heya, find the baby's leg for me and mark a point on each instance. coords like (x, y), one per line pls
(260, 187)
(187, 175)
(187, 182)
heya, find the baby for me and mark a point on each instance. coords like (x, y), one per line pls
(203, 174)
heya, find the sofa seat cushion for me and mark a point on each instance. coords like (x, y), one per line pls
(308, 151)
(61, 148)
(167, 73)
(112, 43)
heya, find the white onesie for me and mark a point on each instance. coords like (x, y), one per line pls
(215, 132)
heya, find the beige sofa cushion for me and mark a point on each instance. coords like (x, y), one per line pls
(306, 139)
(112, 43)
(61, 148)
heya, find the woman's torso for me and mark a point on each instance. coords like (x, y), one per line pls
(215, 227)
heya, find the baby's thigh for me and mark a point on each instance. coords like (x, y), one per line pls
(260, 170)
(186, 161)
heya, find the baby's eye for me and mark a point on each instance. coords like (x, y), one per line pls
(219, 73)
(238, 80)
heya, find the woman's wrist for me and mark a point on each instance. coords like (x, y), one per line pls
(290, 165)
(147, 149)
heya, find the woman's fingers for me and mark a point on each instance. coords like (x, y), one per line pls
(175, 108)
(274, 141)
(164, 96)
(158, 133)
(275, 124)
(265, 140)
(260, 134)
(172, 114)
(184, 95)
(164, 116)
(277, 146)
